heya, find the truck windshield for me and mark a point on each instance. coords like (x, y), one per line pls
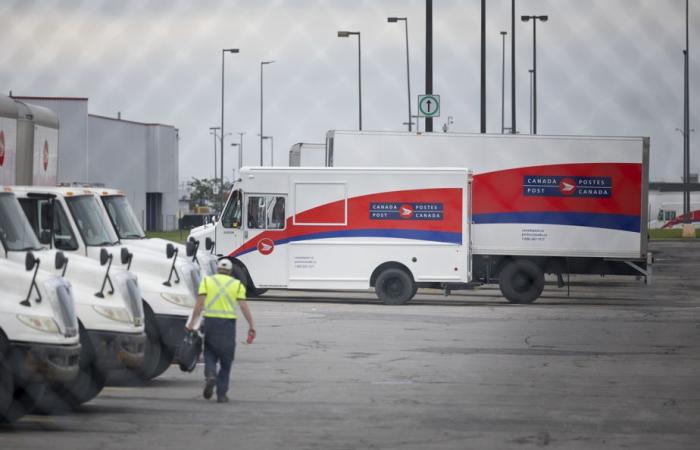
(15, 231)
(123, 217)
(93, 225)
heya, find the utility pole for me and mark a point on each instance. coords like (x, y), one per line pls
(428, 57)
(513, 127)
(483, 66)
(688, 227)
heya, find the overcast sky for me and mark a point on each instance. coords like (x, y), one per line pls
(605, 67)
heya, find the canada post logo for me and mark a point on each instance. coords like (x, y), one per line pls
(560, 186)
(406, 211)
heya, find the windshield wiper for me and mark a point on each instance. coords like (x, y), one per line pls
(105, 243)
(133, 236)
(25, 249)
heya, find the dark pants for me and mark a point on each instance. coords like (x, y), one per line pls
(219, 346)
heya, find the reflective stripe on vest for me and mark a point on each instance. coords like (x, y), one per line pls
(221, 304)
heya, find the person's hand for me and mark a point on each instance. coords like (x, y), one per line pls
(251, 335)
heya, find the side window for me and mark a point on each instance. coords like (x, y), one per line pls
(669, 215)
(266, 212)
(256, 212)
(275, 213)
(63, 236)
(232, 214)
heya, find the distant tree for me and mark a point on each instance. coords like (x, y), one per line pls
(202, 191)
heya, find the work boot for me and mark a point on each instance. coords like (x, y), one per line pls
(209, 388)
(221, 399)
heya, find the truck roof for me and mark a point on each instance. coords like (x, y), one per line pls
(352, 169)
(55, 190)
(332, 133)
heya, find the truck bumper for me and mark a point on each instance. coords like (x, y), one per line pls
(171, 330)
(33, 362)
(117, 350)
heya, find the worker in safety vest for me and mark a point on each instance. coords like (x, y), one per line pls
(218, 296)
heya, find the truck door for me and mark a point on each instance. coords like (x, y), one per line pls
(228, 233)
(265, 227)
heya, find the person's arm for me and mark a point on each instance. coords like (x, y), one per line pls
(198, 307)
(246, 313)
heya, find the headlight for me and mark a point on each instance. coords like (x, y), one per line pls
(178, 299)
(131, 294)
(45, 324)
(118, 314)
(61, 299)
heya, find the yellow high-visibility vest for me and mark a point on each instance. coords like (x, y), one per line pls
(222, 293)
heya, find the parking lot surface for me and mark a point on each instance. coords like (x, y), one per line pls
(615, 364)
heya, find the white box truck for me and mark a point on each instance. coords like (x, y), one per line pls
(540, 204)
(306, 154)
(346, 229)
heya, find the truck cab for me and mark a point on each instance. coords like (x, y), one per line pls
(130, 232)
(39, 341)
(73, 220)
(110, 315)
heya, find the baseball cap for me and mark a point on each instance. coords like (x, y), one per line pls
(224, 264)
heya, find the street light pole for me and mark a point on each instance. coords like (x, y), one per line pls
(233, 145)
(223, 54)
(534, 65)
(503, 83)
(213, 132)
(408, 67)
(513, 127)
(345, 34)
(688, 229)
(240, 151)
(531, 74)
(262, 63)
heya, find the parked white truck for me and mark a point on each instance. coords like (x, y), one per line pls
(39, 342)
(110, 313)
(540, 204)
(349, 229)
(130, 232)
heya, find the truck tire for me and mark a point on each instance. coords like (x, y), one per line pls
(238, 272)
(394, 286)
(156, 358)
(521, 281)
(7, 388)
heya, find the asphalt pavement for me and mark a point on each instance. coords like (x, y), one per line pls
(613, 364)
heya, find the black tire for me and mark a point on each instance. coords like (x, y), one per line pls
(239, 273)
(521, 281)
(8, 414)
(156, 358)
(394, 287)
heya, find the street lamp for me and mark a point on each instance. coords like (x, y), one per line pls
(408, 68)
(212, 131)
(503, 83)
(534, 65)
(272, 150)
(344, 34)
(223, 54)
(262, 63)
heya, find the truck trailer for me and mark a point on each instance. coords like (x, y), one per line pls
(540, 204)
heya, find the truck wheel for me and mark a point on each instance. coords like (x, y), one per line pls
(156, 359)
(394, 287)
(7, 388)
(241, 274)
(521, 281)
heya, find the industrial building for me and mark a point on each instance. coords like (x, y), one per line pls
(139, 158)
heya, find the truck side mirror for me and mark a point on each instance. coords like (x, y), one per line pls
(61, 260)
(208, 243)
(191, 248)
(104, 257)
(169, 251)
(45, 237)
(125, 255)
(30, 261)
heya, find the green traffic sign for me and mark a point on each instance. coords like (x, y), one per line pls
(429, 105)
